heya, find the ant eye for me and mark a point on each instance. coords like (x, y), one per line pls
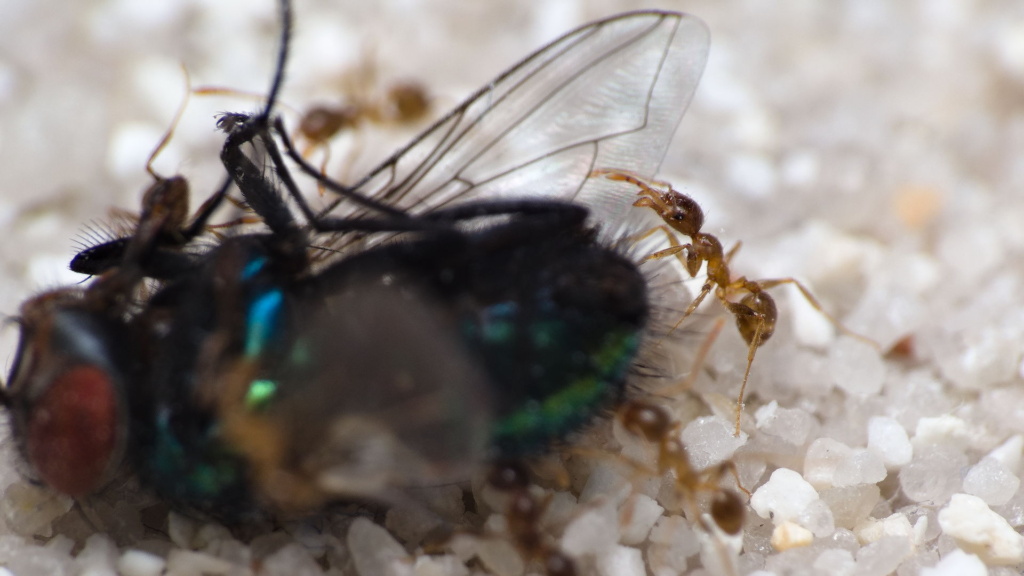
(72, 432)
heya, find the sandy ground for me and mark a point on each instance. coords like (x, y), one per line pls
(870, 149)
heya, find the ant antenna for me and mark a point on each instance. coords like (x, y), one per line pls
(174, 125)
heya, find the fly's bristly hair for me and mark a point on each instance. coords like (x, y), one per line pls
(117, 226)
(664, 351)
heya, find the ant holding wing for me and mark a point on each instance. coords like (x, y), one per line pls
(747, 300)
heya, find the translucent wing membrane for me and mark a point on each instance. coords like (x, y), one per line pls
(609, 94)
(377, 414)
(248, 373)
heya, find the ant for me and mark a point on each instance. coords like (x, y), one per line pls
(726, 510)
(755, 310)
(654, 424)
(524, 513)
(404, 102)
(401, 103)
(366, 99)
(161, 231)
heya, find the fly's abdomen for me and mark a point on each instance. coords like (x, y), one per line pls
(557, 382)
(558, 350)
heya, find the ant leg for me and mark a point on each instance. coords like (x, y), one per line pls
(651, 232)
(170, 131)
(698, 361)
(352, 154)
(704, 291)
(732, 252)
(755, 315)
(673, 251)
(236, 222)
(765, 284)
(675, 246)
(236, 93)
(692, 261)
(630, 177)
(320, 189)
(730, 467)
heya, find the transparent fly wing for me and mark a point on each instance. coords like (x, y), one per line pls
(608, 95)
(375, 394)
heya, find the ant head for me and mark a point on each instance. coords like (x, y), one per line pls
(646, 420)
(682, 213)
(320, 123)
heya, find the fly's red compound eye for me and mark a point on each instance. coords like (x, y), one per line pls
(66, 390)
(73, 430)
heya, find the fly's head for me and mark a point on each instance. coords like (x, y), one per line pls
(66, 392)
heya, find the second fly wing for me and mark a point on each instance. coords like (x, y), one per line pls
(607, 95)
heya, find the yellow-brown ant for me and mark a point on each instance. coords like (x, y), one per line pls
(653, 423)
(755, 310)
(163, 224)
(365, 100)
(403, 102)
(523, 513)
(721, 516)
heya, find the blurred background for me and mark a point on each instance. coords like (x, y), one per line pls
(872, 148)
